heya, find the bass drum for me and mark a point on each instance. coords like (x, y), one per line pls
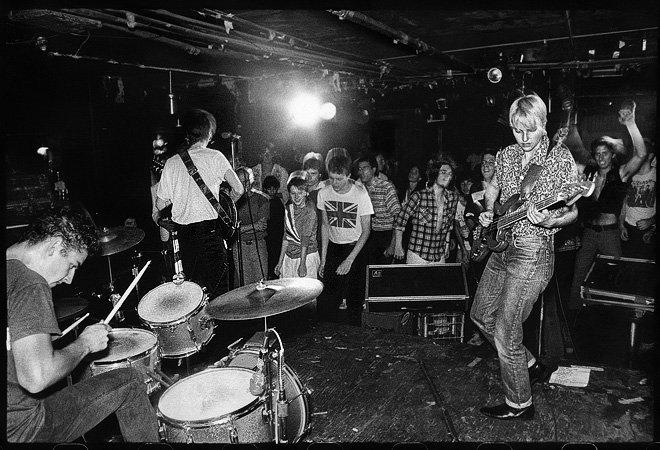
(298, 424)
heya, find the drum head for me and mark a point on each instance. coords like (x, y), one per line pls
(207, 395)
(124, 343)
(170, 302)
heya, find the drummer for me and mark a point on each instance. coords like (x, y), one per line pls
(49, 253)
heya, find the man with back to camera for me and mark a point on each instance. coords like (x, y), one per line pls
(203, 250)
(53, 247)
(514, 278)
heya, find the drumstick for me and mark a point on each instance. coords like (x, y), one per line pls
(157, 378)
(72, 326)
(128, 291)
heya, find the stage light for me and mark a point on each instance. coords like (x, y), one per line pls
(327, 111)
(494, 74)
(43, 151)
(305, 109)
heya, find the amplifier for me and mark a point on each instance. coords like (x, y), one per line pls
(416, 287)
(623, 282)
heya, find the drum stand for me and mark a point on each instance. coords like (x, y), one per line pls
(276, 409)
(113, 296)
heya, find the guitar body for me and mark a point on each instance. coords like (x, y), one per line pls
(228, 225)
(486, 240)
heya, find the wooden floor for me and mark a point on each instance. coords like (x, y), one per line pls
(374, 386)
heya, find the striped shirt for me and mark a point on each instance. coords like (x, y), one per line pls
(429, 231)
(300, 226)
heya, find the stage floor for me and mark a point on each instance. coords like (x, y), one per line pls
(363, 385)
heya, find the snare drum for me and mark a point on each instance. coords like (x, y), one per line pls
(297, 424)
(174, 313)
(214, 405)
(127, 347)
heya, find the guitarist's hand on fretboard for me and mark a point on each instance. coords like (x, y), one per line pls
(539, 218)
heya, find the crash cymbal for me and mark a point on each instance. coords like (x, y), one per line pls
(118, 239)
(265, 299)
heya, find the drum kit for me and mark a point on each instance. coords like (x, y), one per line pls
(251, 395)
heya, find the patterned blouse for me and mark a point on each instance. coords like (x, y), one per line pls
(429, 232)
(558, 169)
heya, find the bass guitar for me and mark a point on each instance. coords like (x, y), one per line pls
(493, 238)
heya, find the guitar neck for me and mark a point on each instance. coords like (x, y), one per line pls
(516, 216)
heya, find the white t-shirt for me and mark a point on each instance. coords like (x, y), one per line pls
(189, 204)
(344, 212)
(640, 201)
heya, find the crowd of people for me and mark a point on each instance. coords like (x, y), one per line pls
(330, 219)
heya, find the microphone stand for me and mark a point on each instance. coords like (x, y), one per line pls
(282, 409)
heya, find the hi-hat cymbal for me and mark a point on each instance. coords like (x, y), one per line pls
(271, 297)
(118, 239)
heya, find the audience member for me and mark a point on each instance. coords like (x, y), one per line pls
(601, 215)
(432, 211)
(313, 167)
(275, 224)
(346, 220)
(250, 251)
(269, 166)
(380, 246)
(637, 219)
(299, 255)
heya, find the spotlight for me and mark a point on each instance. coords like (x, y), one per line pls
(43, 151)
(327, 111)
(494, 75)
(305, 109)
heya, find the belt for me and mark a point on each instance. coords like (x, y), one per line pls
(599, 228)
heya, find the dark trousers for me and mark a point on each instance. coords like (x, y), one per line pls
(378, 242)
(635, 247)
(337, 287)
(204, 256)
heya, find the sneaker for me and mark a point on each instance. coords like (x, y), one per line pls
(343, 304)
(476, 339)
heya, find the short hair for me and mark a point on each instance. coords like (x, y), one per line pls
(247, 171)
(433, 168)
(271, 181)
(340, 164)
(335, 151)
(313, 163)
(371, 159)
(297, 174)
(75, 229)
(197, 124)
(488, 151)
(614, 145)
(528, 112)
(297, 182)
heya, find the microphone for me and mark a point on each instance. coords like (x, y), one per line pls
(228, 134)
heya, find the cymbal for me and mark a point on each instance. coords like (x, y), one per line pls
(117, 239)
(265, 299)
(69, 308)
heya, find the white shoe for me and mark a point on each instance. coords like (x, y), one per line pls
(343, 304)
(476, 339)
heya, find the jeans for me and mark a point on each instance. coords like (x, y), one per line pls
(510, 285)
(204, 256)
(604, 242)
(337, 287)
(74, 410)
(378, 242)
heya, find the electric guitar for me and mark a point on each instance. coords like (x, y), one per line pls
(493, 238)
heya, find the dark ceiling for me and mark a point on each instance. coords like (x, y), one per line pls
(377, 47)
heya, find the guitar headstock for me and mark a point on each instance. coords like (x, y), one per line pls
(571, 192)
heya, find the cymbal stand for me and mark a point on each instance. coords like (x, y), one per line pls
(114, 296)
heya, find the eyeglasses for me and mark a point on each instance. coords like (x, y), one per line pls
(364, 168)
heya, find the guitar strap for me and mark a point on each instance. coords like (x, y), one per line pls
(529, 181)
(194, 173)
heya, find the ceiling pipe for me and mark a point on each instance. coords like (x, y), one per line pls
(570, 33)
(399, 36)
(247, 47)
(584, 64)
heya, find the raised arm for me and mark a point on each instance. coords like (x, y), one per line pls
(640, 153)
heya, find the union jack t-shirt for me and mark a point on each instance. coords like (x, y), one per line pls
(344, 212)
